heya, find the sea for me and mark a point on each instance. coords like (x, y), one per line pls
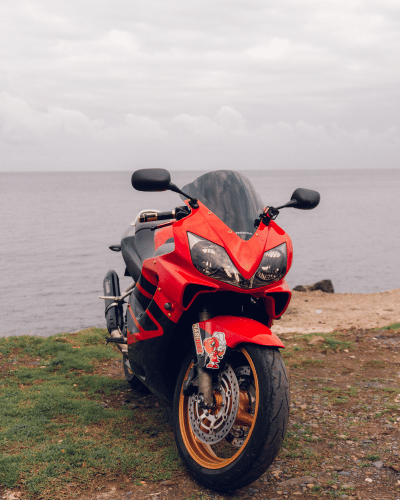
(56, 228)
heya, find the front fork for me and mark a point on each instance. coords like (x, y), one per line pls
(205, 352)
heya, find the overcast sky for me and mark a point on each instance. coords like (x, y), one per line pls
(249, 84)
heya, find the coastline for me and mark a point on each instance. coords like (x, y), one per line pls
(319, 312)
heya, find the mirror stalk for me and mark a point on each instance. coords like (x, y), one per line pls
(192, 201)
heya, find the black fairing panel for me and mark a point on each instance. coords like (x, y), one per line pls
(137, 245)
(158, 360)
(131, 258)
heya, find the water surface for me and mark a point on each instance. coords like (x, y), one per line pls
(56, 229)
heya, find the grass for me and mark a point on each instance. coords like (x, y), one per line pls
(63, 422)
(55, 428)
(393, 326)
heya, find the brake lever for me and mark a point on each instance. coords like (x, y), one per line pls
(269, 214)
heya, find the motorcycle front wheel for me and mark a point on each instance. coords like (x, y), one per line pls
(232, 445)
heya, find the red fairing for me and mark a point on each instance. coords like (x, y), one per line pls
(174, 271)
(238, 330)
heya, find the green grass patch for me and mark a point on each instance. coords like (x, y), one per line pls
(393, 326)
(56, 427)
(309, 363)
(334, 343)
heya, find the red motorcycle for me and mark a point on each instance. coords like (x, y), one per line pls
(208, 284)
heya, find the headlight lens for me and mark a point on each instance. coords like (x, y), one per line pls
(273, 265)
(212, 260)
(206, 256)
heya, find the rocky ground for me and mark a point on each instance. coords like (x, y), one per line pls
(343, 438)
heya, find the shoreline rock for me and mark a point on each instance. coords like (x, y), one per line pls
(325, 286)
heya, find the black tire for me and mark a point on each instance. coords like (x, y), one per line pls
(135, 383)
(232, 463)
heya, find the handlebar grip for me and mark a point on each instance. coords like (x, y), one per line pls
(153, 216)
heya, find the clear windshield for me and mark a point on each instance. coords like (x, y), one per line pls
(231, 197)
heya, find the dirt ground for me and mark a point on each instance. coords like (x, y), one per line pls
(344, 432)
(311, 312)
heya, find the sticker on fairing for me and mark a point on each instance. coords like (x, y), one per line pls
(197, 339)
(215, 347)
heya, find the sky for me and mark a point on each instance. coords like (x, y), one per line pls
(179, 84)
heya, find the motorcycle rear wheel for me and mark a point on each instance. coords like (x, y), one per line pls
(261, 416)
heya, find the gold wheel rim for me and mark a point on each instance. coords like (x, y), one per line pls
(202, 453)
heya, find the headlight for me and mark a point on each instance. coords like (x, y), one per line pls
(212, 260)
(273, 265)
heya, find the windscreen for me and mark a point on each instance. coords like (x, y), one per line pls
(231, 197)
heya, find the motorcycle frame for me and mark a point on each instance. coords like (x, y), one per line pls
(177, 295)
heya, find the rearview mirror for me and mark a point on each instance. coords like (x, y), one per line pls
(151, 179)
(304, 199)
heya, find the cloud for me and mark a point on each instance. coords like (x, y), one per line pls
(218, 77)
(67, 139)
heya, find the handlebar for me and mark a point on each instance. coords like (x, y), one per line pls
(178, 214)
(153, 216)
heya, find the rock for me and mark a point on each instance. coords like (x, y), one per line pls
(378, 464)
(167, 482)
(12, 495)
(316, 340)
(325, 286)
(252, 490)
(343, 473)
(297, 480)
(348, 486)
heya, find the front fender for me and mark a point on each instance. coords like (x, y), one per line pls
(238, 330)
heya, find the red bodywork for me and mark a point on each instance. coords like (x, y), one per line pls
(173, 272)
(239, 330)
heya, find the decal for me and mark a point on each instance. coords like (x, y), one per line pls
(215, 347)
(197, 339)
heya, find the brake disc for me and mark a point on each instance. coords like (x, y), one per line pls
(238, 434)
(211, 426)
